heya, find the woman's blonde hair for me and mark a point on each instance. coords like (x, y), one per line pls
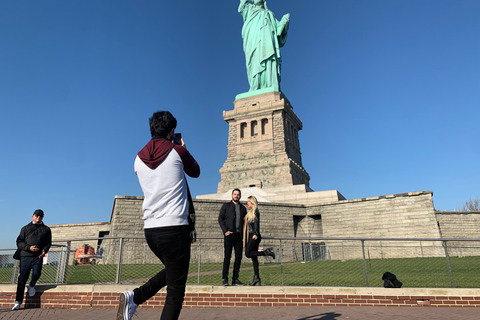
(250, 217)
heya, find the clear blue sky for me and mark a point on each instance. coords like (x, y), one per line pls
(388, 92)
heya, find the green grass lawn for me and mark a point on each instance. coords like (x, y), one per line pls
(413, 272)
(5, 275)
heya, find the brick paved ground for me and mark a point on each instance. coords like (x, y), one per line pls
(263, 313)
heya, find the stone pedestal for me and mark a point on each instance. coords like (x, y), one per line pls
(263, 145)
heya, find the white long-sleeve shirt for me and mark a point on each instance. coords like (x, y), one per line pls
(165, 188)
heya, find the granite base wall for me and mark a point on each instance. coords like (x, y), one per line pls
(407, 215)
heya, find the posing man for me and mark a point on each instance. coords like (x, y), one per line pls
(230, 220)
(34, 240)
(161, 167)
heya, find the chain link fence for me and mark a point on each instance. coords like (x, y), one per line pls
(344, 262)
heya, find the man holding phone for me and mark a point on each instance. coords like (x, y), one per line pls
(161, 167)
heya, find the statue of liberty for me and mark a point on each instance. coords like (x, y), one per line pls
(263, 36)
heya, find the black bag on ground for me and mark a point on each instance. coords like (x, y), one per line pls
(390, 281)
(16, 255)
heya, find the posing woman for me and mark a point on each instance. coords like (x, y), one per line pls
(252, 238)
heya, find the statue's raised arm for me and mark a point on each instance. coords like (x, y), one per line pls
(262, 51)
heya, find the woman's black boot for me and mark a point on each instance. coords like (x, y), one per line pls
(269, 252)
(256, 279)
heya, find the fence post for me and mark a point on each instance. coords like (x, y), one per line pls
(281, 260)
(63, 264)
(444, 243)
(15, 270)
(144, 253)
(365, 262)
(60, 267)
(119, 262)
(381, 250)
(199, 260)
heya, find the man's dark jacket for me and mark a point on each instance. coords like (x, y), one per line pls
(227, 217)
(38, 235)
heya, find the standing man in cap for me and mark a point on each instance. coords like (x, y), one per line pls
(34, 240)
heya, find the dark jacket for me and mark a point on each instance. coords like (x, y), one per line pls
(38, 235)
(254, 228)
(227, 217)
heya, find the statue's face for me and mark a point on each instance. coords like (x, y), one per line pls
(258, 2)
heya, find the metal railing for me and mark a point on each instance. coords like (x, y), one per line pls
(349, 262)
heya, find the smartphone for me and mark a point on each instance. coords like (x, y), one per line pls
(177, 138)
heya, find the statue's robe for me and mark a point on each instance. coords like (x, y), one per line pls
(263, 36)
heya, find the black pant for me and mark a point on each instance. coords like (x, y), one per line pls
(28, 264)
(172, 246)
(251, 251)
(234, 240)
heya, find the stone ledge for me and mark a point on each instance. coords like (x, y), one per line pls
(389, 196)
(470, 213)
(89, 224)
(130, 197)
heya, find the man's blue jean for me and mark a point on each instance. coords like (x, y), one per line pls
(172, 246)
(28, 264)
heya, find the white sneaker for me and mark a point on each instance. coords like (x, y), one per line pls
(31, 291)
(16, 306)
(126, 306)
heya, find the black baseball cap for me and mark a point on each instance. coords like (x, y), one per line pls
(38, 212)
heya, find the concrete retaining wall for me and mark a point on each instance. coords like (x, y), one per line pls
(106, 296)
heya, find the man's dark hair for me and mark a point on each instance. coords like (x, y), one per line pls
(161, 123)
(236, 189)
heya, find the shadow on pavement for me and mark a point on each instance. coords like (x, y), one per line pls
(323, 316)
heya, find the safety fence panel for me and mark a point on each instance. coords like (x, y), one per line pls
(346, 262)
